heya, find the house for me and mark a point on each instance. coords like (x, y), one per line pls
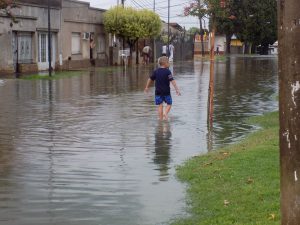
(219, 45)
(236, 46)
(83, 39)
(198, 44)
(24, 44)
(77, 36)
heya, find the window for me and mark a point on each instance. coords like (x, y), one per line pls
(43, 42)
(43, 47)
(76, 49)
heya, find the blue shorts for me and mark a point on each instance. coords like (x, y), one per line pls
(160, 99)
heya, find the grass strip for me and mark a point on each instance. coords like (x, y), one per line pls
(55, 75)
(238, 184)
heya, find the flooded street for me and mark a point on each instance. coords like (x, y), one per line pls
(89, 149)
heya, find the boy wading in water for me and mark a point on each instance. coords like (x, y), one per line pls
(162, 77)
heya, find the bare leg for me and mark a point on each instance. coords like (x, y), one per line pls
(161, 111)
(168, 108)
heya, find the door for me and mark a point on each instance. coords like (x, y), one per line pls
(43, 56)
(24, 47)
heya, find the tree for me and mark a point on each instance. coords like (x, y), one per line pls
(193, 30)
(132, 24)
(198, 9)
(6, 6)
(254, 22)
(219, 13)
(258, 23)
(226, 21)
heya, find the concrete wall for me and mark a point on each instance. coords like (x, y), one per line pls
(79, 17)
(6, 55)
(53, 3)
(220, 41)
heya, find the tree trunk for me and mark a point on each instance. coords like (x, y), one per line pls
(265, 49)
(246, 48)
(249, 48)
(137, 53)
(289, 109)
(228, 43)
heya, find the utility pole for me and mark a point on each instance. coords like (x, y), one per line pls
(49, 39)
(289, 109)
(154, 44)
(168, 50)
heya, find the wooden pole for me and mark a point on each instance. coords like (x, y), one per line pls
(211, 78)
(289, 109)
(212, 44)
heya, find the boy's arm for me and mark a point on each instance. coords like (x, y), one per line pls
(149, 81)
(176, 88)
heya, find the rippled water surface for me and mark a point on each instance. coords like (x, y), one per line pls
(89, 149)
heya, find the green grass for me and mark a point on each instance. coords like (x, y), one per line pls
(238, 184)
(108, 69)
(220, 58)
(55, 75)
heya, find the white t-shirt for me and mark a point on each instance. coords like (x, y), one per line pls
(164, 49)
(146, 49)
(171, 48)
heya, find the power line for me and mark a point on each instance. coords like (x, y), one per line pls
(136, 4)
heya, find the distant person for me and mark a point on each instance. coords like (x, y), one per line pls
(171, 52)
(164, 50)
(146, 54)
(162, 77)
(218, 51)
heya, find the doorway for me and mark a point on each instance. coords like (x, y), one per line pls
(43, 56)
(22, 49)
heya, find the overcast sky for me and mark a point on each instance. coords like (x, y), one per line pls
(176, 8)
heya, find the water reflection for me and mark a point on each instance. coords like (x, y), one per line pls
(162, 149)
(244, 87)
(89, 149)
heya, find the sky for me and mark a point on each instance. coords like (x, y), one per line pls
(176, 9)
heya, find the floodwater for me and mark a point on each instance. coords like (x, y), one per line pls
(89, 150)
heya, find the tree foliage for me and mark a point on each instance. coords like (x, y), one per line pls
(6, 6)
(195, 8)
(193, 30)
(131, 23)
(254, 22)
(258, 22)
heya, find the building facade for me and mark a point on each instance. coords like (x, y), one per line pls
(23, 45)
(77, 36)
(83, 39)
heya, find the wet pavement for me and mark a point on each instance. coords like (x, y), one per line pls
(90, 150)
